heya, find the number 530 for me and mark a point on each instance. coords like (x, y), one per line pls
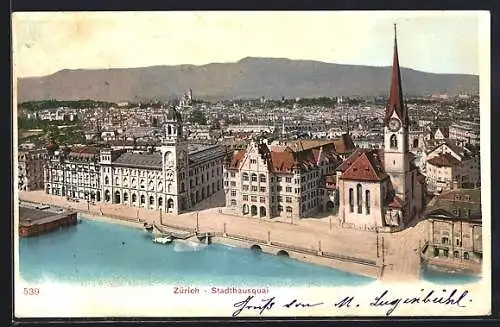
(31, 291)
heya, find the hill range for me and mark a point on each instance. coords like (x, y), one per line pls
(247, 78)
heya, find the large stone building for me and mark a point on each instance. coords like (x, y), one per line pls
(455, 230)
(30, 169)
(173, 177)
(73, 172)
(383, 188)
(291, 181)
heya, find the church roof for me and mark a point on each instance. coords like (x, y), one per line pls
(396, 103)
(364, 165)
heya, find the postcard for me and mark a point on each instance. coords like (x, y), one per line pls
(251, 164)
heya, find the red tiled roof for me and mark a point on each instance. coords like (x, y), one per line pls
(236, 159)
(344, 144)
(444, 160)
(396, 202)
(365, 165)
(282, 161)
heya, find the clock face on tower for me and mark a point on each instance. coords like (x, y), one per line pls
(394, 124)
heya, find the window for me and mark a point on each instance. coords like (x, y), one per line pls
(444, 240)
(233, 192)
(289, 209)
(245, 197)
(288, 179)
(359, 191)
(367, 201)
(351, 200)
(262, 189)
(233, 202)
(253, 161)
(254, 188)
(254, 177)
(288, 199)
(393, 142)
(253, 198)
(262, 178)
(280, 199)
(245, 187)
(279, 188)
(245, 176)
(278, 179)
(262, 199)
(233, 183)
(288, 189)
(143, 199)
(280, 208)
(151, 200)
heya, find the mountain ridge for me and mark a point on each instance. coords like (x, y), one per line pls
(250, 77)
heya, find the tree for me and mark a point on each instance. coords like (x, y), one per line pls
(197, 117)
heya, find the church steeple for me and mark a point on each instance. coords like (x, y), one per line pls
(396, 102)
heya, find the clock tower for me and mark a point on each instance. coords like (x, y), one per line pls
(396, 126)
(174, 153)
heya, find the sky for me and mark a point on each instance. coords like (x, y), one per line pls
(438, 42)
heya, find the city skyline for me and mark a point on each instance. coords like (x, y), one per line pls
(131, 39)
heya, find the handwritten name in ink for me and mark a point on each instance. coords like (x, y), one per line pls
(263, 304)
(384, 301)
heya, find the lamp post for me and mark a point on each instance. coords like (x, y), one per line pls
(161, 223)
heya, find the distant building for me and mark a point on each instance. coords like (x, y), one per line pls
(30, 169)
(468, 132)
(455, 231)
(250, 129)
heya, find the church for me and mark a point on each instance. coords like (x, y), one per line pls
(382, 188)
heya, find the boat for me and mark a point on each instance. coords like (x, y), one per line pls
(163, 240)
(148, 227)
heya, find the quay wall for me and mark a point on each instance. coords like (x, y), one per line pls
(350, 267)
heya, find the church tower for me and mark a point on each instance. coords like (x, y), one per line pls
(175, 162)
(396, 127)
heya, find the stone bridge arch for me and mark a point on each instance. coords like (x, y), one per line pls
(282, 253)
(256, 248)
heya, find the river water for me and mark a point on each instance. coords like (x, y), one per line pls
(95, 252)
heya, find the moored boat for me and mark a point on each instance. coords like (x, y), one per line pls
(163, 240)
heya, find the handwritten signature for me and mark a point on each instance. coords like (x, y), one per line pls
(384, 300)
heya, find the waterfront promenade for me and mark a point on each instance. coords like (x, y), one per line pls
(397, 251)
